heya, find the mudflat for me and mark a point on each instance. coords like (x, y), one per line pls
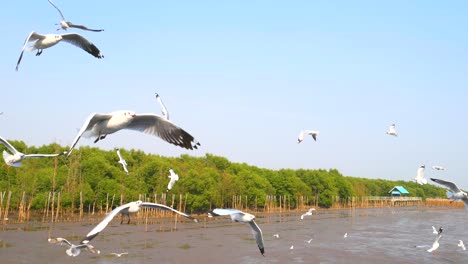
(386, 235)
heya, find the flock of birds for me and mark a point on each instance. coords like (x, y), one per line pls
(42, 42)
(100, 125)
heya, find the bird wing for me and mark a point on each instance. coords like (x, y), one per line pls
(314, 136)
(434, 230)
(84, 44)
(33, 36)
(220, 211)
(70, 24)
(452, 186)
(163, 107)
(174, 175)
(8, 145)
(465, 201)
(311, 209)
(257, 232)
(103, 224)
(26, 156)
(57, 9)
(88, 124)
(167, 208)
(157, 126)
(59, 240)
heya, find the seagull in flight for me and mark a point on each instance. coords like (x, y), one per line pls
(118, 254)
(435, 245)
(174, 177)
(164, 111)
(305, 133)
(310, 240)
(42, 42)
(307, 213)
(392, 131)
(276, 235)
(17, 156)
(457, 193)
(460, 244)
(127, 209)
(345, 235)
(438, 168)
(122, 161)
(73, 250)
(239, 216)
(101, 125)
(420, 176)
(64, 24)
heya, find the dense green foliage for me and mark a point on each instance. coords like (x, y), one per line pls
(209, 181)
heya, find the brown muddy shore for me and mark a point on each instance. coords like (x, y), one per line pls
(382, 235)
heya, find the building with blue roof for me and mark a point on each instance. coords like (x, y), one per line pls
(398, 191)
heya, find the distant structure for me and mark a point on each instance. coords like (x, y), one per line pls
(398, 191)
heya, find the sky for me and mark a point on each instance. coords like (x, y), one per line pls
(245, 77)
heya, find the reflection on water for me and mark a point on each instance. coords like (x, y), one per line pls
(388, 235)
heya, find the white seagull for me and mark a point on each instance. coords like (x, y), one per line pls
(460, 244)
(457, 193)
(435, 245)
(310, 240)
(101, 125)
(239, 216)
(304, 133)
(420, 176)
(42, 42)
(307, 213)
(345, 235)
(434, 230)
(392, 131)
(64, 24)
(118, 254)
(174, 177)
(122, 161)
(438, 168)
(276, 235)
(292, 247)
(128, 209)
(164, 111)
(16, 158)
(73, 250)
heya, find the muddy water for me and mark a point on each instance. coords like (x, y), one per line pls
(374, 236)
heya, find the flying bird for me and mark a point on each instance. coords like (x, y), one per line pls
(460, 244)
(438, 168)
(118, 254)
(276, 235)
(73, 250)
(392, 131)
(457, 193)
(174, 177)
(307, 213)
(101, 125)
(310, 240)
(64, 24)
(239, 216)
(42, 42)
(305, 133)
(164, 111)
(420, 176)
(435, 245)
(16, 158)
(127, 209)
(345, 235)
(292, 247)
(122, 161)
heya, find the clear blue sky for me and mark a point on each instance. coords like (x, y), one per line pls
(244, 77)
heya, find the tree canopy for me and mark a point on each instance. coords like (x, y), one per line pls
(208, 182)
